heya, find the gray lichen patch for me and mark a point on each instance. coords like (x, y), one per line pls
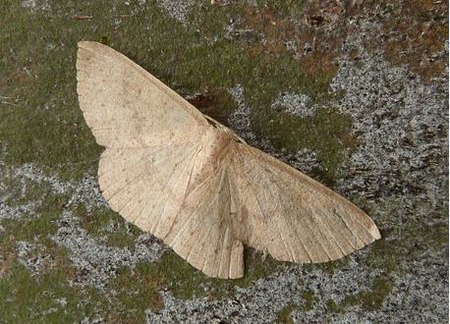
(178, 10)
(87, 193)
(240, 120)
(279, 291)
(245, 304)
(30, 255)
(8, 212)
(293, 103)
(34, 183)
(33, 174)
(15, 195)
(171, 273)
(403, 136)
(97, 263)
(36, 5)
(106, 225)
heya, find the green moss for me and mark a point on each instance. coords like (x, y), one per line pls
(383, 254)
(328, 133)
(37, 299)
(332, 307)
(374, 298)
(41, 125)
(186, 282)
(434, 236)
(406, 242)
(284, 316)
(369, 300)
(331, 267)
(257, 265)
(96, 220)
(309, 299)
(40, 225)
(7, 252)
(216, 103)
(45, 126)
(24, 299)
(180, 278)
(132, 293)
(137, 291)
(121, 239)
(210, 21)
(105, 223)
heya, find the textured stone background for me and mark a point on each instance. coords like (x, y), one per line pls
(353, 94)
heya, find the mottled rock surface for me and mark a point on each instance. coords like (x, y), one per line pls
(355, 94)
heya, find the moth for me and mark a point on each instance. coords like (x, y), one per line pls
(195, 184)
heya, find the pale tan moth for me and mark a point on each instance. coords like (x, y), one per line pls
(195, 184)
